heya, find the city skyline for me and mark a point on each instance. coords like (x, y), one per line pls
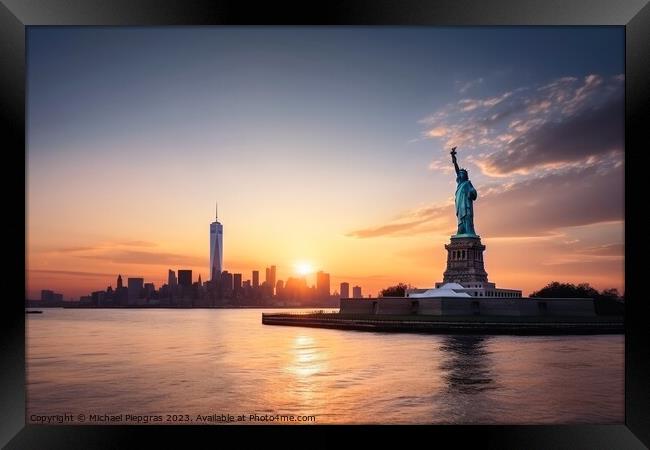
(228, 289)
(230, 285)
(327, 149)
(317, 285)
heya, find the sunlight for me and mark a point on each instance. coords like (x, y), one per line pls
(303, 268)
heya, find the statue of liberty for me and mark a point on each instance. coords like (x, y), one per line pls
(465, 196)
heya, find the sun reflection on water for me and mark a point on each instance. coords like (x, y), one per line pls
(308, 358)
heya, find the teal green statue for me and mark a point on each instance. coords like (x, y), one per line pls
(465, 196)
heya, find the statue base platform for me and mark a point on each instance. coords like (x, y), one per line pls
(465, 260)
(461, 236)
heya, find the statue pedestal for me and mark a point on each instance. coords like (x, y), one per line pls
(465, 260)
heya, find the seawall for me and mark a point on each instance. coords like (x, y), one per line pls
(450, 325)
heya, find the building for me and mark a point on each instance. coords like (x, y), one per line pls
(345, 290)
(119, 282)
(121, 296)
(171, 279)
(279, 288)
(256, 278)
(216, 247)
(323, 284)
(149, 290)
(97, 298)
(296, 289)
(465, 273)
(185, 278)
(51, 296)
(135, 287)
(226, 281)
(236, 281)
(270, 277)
(462, 305)
(356, 292)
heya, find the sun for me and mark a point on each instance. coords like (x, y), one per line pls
(303, 268)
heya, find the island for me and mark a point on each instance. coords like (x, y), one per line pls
(465, 301)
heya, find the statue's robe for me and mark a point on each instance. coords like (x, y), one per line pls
(465, 196)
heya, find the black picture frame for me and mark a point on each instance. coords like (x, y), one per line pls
(634, 15)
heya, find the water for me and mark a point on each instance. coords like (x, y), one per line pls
(159, 362)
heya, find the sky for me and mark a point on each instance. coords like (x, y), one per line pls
(326, 146)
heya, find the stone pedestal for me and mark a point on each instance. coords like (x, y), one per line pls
(465, 260)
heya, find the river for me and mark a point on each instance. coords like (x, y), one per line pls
(181, 364)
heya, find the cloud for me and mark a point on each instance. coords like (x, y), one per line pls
(470, 104)
(72, 273)
(130, 252)
(75, 249)
(347, 276)
(464, 87)
(438, 132)
(536, 206)
(105, 245)
(566, 120)
(138, 244)
(617, 249)
(592, 266)
(441, 165)
(142, 257)
(593, 132)
(383, 230)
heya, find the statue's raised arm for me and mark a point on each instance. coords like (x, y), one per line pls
(453, 158)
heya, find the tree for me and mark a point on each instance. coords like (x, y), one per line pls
(398, 290)
(566, 290)
(606, 302)
(610, 293)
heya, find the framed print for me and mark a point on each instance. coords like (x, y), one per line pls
(416, 219)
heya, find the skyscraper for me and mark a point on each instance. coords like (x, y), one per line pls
(323, 284)
(226, 281)
(185, 278)
(121, 292)
(236, 280)
(272, 277)
(356, 292)
(135, 286)
(149, 290)
(256, 278)
(216, 247)
(171, 279)
(345, 290)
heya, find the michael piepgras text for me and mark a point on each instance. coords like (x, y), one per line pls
(211, 418)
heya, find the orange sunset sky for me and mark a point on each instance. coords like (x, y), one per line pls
(324, 146)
